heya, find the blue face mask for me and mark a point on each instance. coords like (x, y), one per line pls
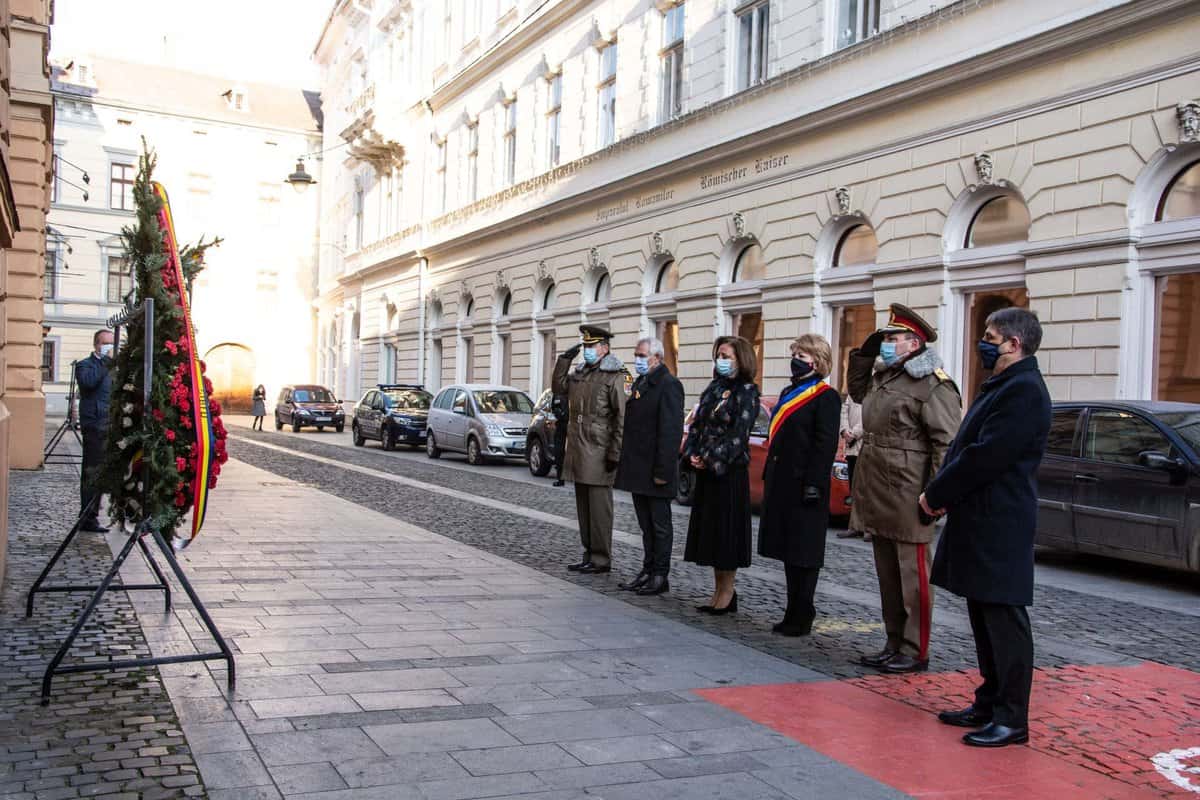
(724, 367)
(887, 351)
(989, 354)
(590, 356)
(641, 364)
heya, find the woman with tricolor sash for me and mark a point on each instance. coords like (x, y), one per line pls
(801, 445)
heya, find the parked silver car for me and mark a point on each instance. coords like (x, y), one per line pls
(484, 421)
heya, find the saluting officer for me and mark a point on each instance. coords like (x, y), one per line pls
(595, 393)
(911, 410)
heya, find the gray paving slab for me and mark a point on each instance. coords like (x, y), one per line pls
(232, 770)
(691, 716)
(604, 775)
(693, 766)
(492, 786)
(735, 786)
(622, 748)
(818, 783)
(523, 758)
(386, 680)
(307, 747)
(296, 778)
(565, 726)
(404, 769)
(439, 736)
(217, 737)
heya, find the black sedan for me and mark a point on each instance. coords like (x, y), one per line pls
(394, 414)
(1122, 479)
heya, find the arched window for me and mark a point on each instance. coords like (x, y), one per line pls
(505, 303)
(549, 296)
(470, 309)
(749, 265)
(603, 289)
(668, 278)
(858, 245)
(1182, 197)
(1000, 220)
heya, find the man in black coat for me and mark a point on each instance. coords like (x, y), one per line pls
(649, 466)
(988, 486)
(562, 418)
(94, 376)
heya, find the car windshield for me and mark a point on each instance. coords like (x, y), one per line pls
(502, 402)
(409, 399)
(1186, 424)
(312, 396)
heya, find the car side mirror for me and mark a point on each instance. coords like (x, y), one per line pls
(1152, 459)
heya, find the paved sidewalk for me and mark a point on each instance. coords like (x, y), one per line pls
(379, 660)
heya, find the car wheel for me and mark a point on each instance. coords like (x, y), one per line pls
(686, 493)
(295, 427)
(388, 439)
(359, 441)
(278, 423)
(431, 448)
(474, 454)
(539, 465)
(340, 428)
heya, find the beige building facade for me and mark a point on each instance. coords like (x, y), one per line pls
(224, 149)
(698, 168)
(26, 118)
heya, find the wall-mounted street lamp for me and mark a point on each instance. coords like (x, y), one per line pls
(87, 181)
(300, 179)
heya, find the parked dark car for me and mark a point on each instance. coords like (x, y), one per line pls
(395, 413)
(1122, 479)
(539, 444)
(308, 405)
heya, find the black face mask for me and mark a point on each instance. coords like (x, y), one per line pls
(801, 368)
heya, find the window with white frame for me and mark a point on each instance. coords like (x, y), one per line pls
(50, 289)
(120, 186)
(49, 360)
(119, 279)
(856, 20)
(473, 161)
(608, 95)
(554, 121)
(56, 186)
(510, 141)
(440, 145)
(671, 55)
(753, 24)
(360, 202)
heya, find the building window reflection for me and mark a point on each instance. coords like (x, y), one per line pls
(1178, 356)
(752, 27)
(1001, 220)
(608, 95)
(749, 265)
(603, 289)
(1182, 198)
(668, 278)
(857, 246)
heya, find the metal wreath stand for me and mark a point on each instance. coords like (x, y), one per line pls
(143, 314)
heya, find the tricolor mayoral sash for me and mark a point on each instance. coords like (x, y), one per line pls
(201, 420)
(795, 399)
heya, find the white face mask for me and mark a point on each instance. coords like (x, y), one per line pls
(106, 351)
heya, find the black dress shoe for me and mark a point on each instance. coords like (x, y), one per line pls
(657, 584)
(560, 482)
(878, 659)
(997, 735)
(580, 565)
(900, 664)
(791, 629)
(969, 717)
(591, 569)
(636, 583)
(729, 608)
(93, 527)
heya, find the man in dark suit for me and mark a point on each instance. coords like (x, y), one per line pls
(988, 486)
(649, 466)
(94, 376)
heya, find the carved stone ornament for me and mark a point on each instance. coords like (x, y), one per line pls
(543, 271)
(656, 243)
(983, 168)
(434, 295)
(593, 259)
(1188, 115)
(464, 290)
(739, 225)
(842, 196)
(501, 279)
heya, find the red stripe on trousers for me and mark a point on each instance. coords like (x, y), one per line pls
(926, 606)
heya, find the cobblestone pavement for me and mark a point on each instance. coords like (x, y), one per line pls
(1070, 626)
(105, 734)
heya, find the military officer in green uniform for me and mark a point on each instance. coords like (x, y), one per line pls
(595, 393)
(911, 410)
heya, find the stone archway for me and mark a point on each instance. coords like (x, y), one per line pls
(231, 368)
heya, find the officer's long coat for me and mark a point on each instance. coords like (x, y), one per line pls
(596, 402)
(910, 414)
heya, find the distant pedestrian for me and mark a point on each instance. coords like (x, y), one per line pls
(988, 489)
(801, 445)
(718, 449)
(851, 433)
(258, 407)
(94, 376)
(558, 407)
(910, 410)
(595, 393)
(649, 467)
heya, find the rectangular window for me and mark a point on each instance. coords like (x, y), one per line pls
(857, 20)
(608, 95)
(473, 161)
(510, 142)
(554, 122)
(119, 280)
(49, 360)
(671, 89)
(50, 289)
(752, 27)
(120, 186)
(441, 175)
(360, 202)
(55, 187)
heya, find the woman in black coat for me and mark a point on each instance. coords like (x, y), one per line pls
(802, 445)
(718, 449)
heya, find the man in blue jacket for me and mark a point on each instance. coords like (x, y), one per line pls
(988, 486)
(94, 376)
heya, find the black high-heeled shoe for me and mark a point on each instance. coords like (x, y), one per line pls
(729, 609)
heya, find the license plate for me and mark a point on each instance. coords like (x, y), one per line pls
(518, 447)
(324, 419)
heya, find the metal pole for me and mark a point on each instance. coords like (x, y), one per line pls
(57, 555)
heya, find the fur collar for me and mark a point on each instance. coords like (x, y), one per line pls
(921, 365)
(609, 363)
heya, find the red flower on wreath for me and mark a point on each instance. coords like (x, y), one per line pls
(170, 434)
